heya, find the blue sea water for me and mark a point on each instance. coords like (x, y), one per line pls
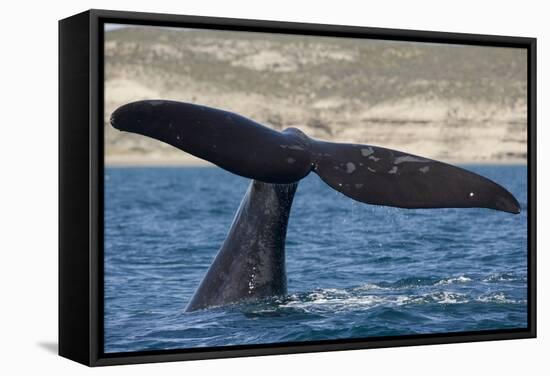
(354, 270)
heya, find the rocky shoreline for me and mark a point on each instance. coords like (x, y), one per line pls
(462, 104)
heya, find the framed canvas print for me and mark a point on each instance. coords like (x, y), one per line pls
(236, 187)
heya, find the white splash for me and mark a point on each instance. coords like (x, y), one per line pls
(496, 297)
(459, 279)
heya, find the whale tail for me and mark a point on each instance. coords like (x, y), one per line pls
(366, 173)
(250, 264)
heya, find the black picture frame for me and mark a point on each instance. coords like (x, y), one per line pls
(81, 183)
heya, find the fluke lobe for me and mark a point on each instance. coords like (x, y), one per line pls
(250, 263)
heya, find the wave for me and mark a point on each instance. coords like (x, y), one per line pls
(499, 297)
(338, 300)
(413, 282)
(459, 279)
(504, 277)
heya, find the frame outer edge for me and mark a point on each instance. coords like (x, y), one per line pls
(74, 187)
(95, 164)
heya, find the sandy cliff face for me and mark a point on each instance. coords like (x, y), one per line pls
(453, 103)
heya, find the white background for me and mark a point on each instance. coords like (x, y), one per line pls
(28, 189)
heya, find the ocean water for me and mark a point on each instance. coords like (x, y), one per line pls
(354, 270)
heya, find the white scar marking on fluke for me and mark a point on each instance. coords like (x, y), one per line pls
(292, 147)
(290, 160)
(371, 170)
(424, 169)
(350, 167)
(374, 158)
(393, 170)
(471, 194)
(358, 185)
(409, 158)
(295, 147)
(365, 152)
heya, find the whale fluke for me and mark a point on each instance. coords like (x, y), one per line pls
(365, 173)
(231, 141)
(381, 176)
